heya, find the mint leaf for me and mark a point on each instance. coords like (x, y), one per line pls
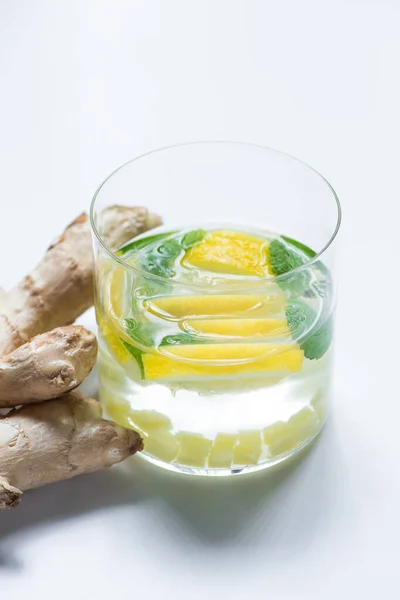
(317, 342)
(299, 318)
(170, 249)
(191, 238)
(282, 259)
(137, 355)
(140, 332)
(302, 247)
(143, 242)
(157, 260)
(176, 339)
(322, 287)
(181, 338)
(308, 253)
(157, 266)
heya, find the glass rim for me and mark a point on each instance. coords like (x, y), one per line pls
(243, 282)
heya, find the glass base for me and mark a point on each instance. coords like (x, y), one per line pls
(205, 472)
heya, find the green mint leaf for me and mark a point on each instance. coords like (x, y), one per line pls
(191, 238)
(170, 249)
(137, 355)
(176, 339)
(131, 324)
(299, 318)
(140, 332)
(181, 338)
(282, 259)
(322, 287)
(302, 247)
(143, 242)
(157, 266)
(317, 342)
(308, 253)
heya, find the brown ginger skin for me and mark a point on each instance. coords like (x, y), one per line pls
(56, 440)
(49, 441)
(60, 288)
(118, 224)
(48, 366)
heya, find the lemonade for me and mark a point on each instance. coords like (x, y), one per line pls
(215, 344)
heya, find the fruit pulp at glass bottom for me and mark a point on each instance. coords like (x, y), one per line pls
(223, 424)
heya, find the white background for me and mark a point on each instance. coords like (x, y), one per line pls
(88, 84)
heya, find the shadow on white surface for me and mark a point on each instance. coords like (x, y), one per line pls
(282, 507)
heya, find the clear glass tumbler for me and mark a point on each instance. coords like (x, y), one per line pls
(216, 328)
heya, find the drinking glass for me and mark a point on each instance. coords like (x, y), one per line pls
(220, 376)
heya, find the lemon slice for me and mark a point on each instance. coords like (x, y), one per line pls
(264, 358)
(194, 449)
(235, 352)
(192, 306)
(114, 343)
(117, 290)
(239, 327)
(231, 252)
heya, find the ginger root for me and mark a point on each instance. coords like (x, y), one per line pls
(49, 441)
(48, 366)
(118, 224)
(56, 440)
(60, 288)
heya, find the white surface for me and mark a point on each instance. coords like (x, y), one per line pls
(86, 85)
